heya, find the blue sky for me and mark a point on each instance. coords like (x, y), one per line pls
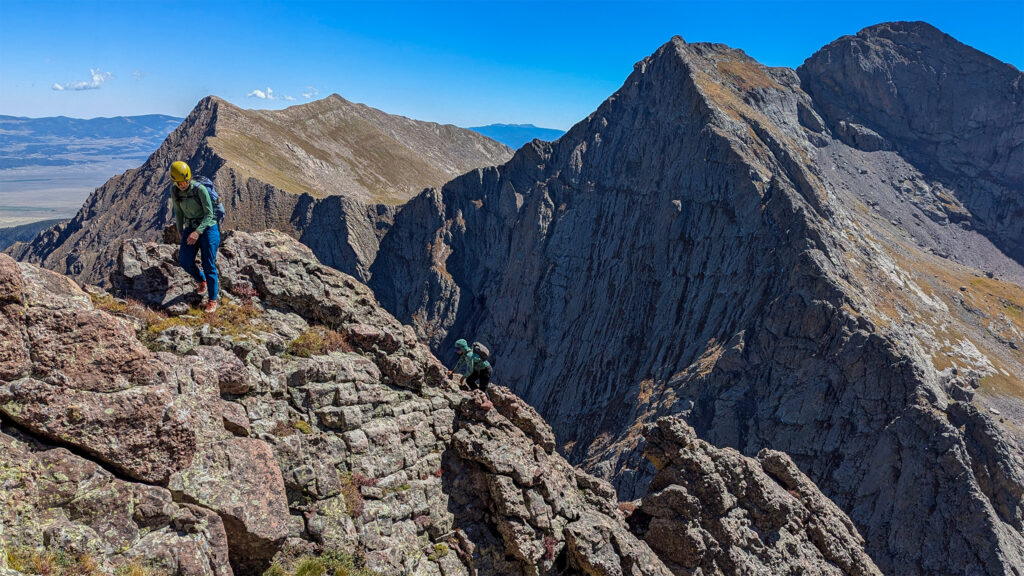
(548, 63)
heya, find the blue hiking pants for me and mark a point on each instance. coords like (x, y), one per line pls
(207, 246)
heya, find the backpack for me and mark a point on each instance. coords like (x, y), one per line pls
(218, 207)
(481, 351)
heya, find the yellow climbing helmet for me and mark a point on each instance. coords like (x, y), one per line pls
(180, 172)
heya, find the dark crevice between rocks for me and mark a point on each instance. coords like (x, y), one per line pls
(252, 564)
(248, 554)
(43, 442)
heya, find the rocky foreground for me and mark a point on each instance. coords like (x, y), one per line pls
(302, 421)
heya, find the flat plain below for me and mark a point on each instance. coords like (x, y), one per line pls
(33, 193)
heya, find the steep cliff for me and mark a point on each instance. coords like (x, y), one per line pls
(705, 245)
(302, 421)
(329, 173)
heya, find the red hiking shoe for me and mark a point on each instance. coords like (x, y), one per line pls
(201, 288)
(211, 307)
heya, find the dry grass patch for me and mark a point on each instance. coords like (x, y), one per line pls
(317, 341)
(28, 560)
(237, 321)
(747, 75)
(351, 484)
(132, 308)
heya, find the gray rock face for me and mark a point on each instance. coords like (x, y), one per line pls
(703, 245)
(329, 173)
(76, 507)
(954, 112)
(714, 511)
(359, 444)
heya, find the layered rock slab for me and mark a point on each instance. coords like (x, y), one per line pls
(157, 418)
(74, 506)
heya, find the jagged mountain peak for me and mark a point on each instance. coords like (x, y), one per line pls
(714, 241)
(915, 38)
(330, 172)
(951, 111)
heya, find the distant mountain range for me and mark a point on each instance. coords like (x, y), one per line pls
(515, 135)
(48, 166)
(63, 141)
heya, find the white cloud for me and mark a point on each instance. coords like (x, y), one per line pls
(310, 93)
(268, 94)
(139, 74)
(98, 78)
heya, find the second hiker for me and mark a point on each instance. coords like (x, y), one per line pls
(476, 370)
(197, 225)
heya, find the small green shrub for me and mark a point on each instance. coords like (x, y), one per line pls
(330, 563)
(275, 570)
(311, 567)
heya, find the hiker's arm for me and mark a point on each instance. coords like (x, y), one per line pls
(470, 364)
(179, 218)
(208, 218)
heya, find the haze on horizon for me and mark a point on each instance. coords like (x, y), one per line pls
(466, 63)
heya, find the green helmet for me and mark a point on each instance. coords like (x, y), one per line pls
(180, 172)
(462, 345)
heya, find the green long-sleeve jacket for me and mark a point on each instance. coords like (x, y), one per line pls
(469, 363)
(192, 208)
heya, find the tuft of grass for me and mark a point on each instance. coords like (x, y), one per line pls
(50, 562)
(350, 485)
(302, 426)
(128, 307)
(236, 321)
(239, 321)
(330, 563)
(318, 340)
(311, 567)
(275, 570)
(193, 319)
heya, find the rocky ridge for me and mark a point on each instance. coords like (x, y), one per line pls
(714, 511)
(329, 173)
(706, 244)
(207, 441)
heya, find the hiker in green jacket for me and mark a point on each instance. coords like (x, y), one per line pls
(475, 370)
(197, 226)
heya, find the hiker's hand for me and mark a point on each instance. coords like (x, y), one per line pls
(450, 373)
(192, 238)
